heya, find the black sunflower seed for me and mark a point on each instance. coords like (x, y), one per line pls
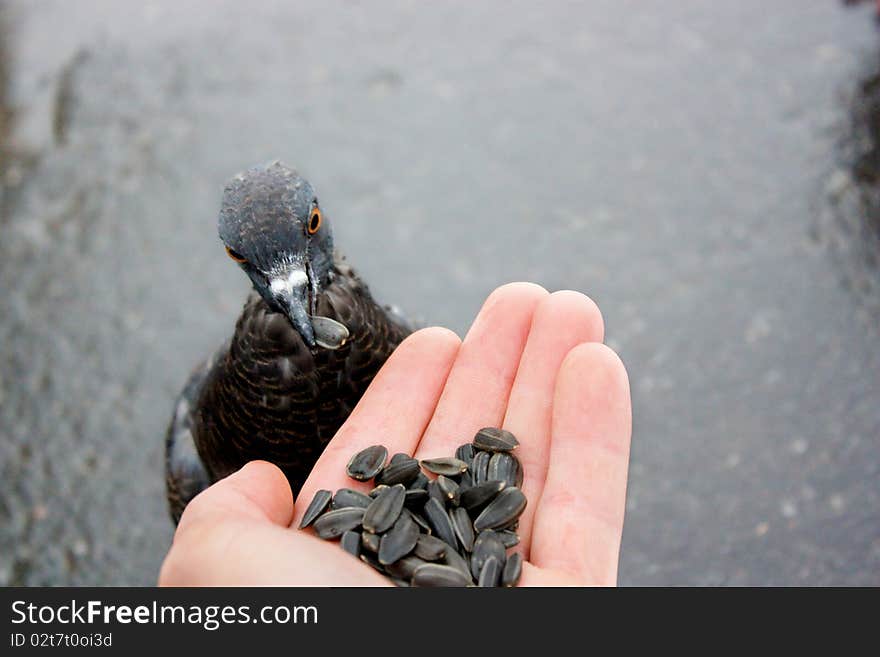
(449, 489)
(455, 560)
(505, 467)
(464, 529)
(492, 439)
(439, 521)
(334, 524)
(433, 574)
(385, 509)
(465, 453)
(419, 519)
(367, 463)
(398, 541)
(465, 481)
(419, 483)
(316, 508)
(378, 489)
(370, 542)
(502, 511)
(475, 498)
(512, 570)
(351, 542)
(487, 545)
(454, 530)
(404, 471)
(480, 467)
(371, 560)
(490, 573)
(435, 492)
(404, 568)
(446, 465)
(415, 498)
(508, 538)
(430, 548)
(346, 497)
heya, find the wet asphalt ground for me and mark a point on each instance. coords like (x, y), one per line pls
(689, 165)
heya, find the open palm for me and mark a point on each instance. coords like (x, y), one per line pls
(532, 363)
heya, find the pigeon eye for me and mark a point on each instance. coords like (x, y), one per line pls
(235, 255)
(314, 221)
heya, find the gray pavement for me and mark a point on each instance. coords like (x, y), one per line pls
(679, 162)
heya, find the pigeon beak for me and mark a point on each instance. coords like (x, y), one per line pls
(292, 294)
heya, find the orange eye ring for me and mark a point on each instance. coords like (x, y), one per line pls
(235, 256)
(315, 219)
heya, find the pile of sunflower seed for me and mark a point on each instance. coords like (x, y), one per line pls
(452, 530)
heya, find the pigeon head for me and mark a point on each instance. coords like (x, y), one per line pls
(274, 229)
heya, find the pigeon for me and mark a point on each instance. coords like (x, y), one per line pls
(308, 342)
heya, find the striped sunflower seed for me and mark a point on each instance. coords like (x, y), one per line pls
(399, 541)
(504, 466)
(447, 465)
(512, 570)
(378, 489)
(487, 545)
(415, 498)
(329, 333)
(508, 538)
(334, 524)
(455, 560)
(404, 568)
(419, 519)
(439, 521)
(367, 463)
(433, 574)
(492, 439)
(370, 542)
(385, 509)
(346, 497)
(430, 548)
(474, 499)
(351, 542)
(316, 508)
(371, 560)
(490, 574)
(435, 492)
(465, 453)
(502, 511)
(404, 471)
(449, 489)
(454, 530)
(419, 483)
(463, 528)
(480, 467)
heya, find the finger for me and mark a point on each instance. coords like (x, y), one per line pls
(533, 576)
(394, 410)
(579, 516)
(562, 321)
(236, 533)
(479, 383)
(259, 491)
(242, 553)
(232, 530)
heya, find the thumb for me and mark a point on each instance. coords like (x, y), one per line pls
(258, 492)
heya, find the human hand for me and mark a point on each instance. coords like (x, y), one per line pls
(532, 363)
